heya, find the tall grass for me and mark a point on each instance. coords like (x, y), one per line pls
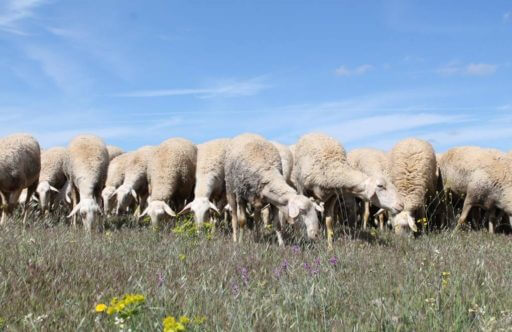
(52, 276)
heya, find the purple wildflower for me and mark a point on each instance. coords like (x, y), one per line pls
(333, 260)
(160, 280)
(296, 249)
(245, 275)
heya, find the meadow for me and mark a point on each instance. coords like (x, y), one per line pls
(54, 277)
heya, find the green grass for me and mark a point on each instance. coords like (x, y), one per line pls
(52, 277)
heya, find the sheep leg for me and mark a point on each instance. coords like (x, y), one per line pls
(265, 217)
(74, 202)
(381, 221)
(30, 192)
(257, 221)
(242, 218)
(492, 219)
(366, 214)
(277, 223)
(3, 208)
(329, 216)
(234, 214)
(468, 204)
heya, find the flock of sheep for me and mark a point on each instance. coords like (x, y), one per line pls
(256, 181)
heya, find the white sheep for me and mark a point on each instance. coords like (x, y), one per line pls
(86, 169)
(115, 177)
(321, 170)
(210, 188)
(171, 171)
(114, 151)
(484, 176)
(413, 172)
(374, 163)
(20, 165)
(52, 177)
(254, 176)
(135, 184)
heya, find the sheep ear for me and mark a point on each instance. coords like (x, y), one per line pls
(293, 209)
(412, 224)
(34, 198)
(74, 211)
(185, 209)
(144, 213)
(134, 194)
(371, 188)
(214, 208)
(112, 194)
(381, 211)
(52, 188)
(169, 211)
(319, 207)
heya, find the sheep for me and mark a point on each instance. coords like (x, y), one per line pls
(115, 177)
(86, 170)
(20, 165)
(171, 171)
(321, 169)
(135, 184)
(374, 163)
(52, 177)
(413, 172)
(114, 151)
(254, 175)
(484, 176)
(210, 185)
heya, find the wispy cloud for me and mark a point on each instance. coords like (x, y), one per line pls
(356, 71)
(471, 69)
(60, 68)
(228, 88)
(14, 11)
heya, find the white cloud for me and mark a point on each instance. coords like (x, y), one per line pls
(13, 11)
(229, 88)
(357, 71)
(471, 69)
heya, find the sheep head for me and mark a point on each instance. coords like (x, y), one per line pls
(44, 190)
(404, 222)
(107, 195)
(382, 194)
(89, 211)
(158, 211)
(126, 195)
(201, 207)
(301, 207)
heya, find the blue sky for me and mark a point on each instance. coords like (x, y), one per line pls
(366, 72)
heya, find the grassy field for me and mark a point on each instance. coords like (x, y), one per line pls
(52, 277)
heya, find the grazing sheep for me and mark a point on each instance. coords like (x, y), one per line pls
(374, 163)
(86, 169)
(484, 176)
(413, 172)
(114, 151)
(171, 171)
(321, 169)
(135, 184)
(115, 177)
(210, 189)
(254, 175)
(20, 164)
(52, 177)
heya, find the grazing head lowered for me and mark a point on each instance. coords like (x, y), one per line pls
(158, 211)
(201, 208)
(44, 190)
(90, 212)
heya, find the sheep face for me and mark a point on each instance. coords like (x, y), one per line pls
(125, 197)
(404, 223)
(158, 211)
(301, 207)
(201, 207)
(89, 211)
(383, 194)
(44, 191)
(108, 198)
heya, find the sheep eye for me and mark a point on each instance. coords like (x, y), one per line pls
(380, 186)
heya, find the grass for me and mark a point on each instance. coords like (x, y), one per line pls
(52, 277)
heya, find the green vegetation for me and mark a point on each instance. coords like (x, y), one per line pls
(53, 277)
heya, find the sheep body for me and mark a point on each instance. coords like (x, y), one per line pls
(115, 177)
(286, 160)
(86, 169)
(52, 177)
(171, 171)
(253, 172)
(20, 165)
(114, 151)
(413, 172)
(483, 175)
(210, 187)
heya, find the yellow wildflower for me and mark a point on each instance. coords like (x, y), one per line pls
(199, 320)
(171, 325)
(101, 307)
(184, 320)
(182, 257)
